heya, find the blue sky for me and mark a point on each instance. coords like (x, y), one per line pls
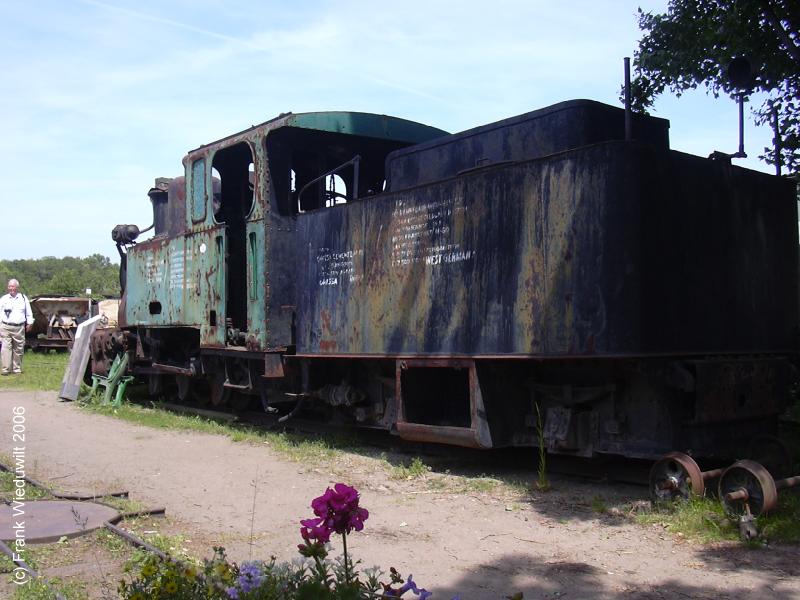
(100, 97)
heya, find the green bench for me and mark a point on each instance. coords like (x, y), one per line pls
(115, 382)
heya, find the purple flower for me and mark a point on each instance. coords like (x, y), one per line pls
(315, 535)
(251, 569)
(408, 585)
(315, 531)
(233, 593)
(338, 509)
(250, 577)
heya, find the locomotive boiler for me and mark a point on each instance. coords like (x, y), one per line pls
(369, 270)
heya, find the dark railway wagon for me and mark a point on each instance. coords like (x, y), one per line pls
(372, 271)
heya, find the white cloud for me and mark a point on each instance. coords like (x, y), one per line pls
(99, 97)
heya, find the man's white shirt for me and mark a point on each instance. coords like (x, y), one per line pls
(15, 310)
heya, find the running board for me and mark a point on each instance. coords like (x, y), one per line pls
(442, 434)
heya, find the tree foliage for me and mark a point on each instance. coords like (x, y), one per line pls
(693, 43)
(63, 276)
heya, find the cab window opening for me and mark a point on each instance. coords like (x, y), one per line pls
(198, 181)
(311, 170)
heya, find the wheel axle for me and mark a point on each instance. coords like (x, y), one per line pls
(677, 475)
(747, 488)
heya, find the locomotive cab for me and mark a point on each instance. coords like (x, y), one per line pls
(213, 293)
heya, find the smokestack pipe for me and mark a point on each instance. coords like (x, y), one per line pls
(776, 126)
(628, 132)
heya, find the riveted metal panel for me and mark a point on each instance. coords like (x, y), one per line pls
(155, 282)
(204, 300)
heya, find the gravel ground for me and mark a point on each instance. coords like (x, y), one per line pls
(481, 545)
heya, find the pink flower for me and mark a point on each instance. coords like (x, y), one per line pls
(313, 531)
(338, 509)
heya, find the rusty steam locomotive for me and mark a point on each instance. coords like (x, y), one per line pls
(373, 271)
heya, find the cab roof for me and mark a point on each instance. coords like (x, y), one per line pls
(344, 122)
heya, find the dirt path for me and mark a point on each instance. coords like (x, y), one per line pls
(480, 545)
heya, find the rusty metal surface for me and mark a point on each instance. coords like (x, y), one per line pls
(50, 520)
(213, 268)
(475, 433)
(543, 132)
(676, 476)
(56, 321)
(64, 310)
(437, 434)
(273, 366)
(739, 390)
(594, 252)
(158, 368)
(105, 345)
(178, 281)
(747, 488)
(540, 252)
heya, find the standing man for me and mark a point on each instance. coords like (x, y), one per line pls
(15, 319)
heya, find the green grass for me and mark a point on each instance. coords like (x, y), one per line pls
(174, 545)
(782, 525)
(481, 484)
(413, 469)
(37, 589)
(7, 487)
(113, 543)
(704, 520)
(542, 481)
(700, 519)
(294, 447)
(599, 505)
(6, 564)
(39, 372)
(123, 505)
(32, 557)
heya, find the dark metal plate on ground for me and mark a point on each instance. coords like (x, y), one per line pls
(46, 521)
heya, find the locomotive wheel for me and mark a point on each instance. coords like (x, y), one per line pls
(675, 476)
(218, 393)
(755, 481)
(183, 384)
(201, 392)
(772, 453)
(154, 385)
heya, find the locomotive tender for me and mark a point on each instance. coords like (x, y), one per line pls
(373, 271)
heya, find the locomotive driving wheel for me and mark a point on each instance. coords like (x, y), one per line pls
(154, 385)
(218, 393)
(675, 476)
(183, 383)
(746, 488)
